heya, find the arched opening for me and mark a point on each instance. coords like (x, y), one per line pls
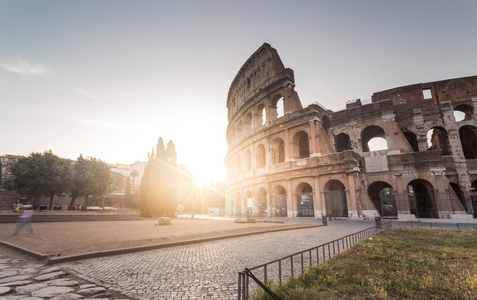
(261, 115)
(412, 140)
(237, 205)
(262, 202)
(305, 200)
(280, 201)
(335, 199)
(468, 139)
(249, 203)
(421, 199)
(458, 192)
(232, 168)
(343, 142)
(437, 139)
(247, 161)
(384, 199)
(248, 123)
(260, 156)
(301, 144)
(373, 138)
(278, 151)
(239, 129)
(326, 122)
(278, 107)
(238, 165)
(463, 112)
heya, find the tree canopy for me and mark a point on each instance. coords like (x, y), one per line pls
(42, 174)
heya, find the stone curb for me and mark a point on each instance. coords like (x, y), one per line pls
(60, 259)
(36, 255)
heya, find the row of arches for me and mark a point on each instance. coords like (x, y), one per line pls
(276, 204)
(257, 157)
(257, 117)
(420, 200)
(373, 138)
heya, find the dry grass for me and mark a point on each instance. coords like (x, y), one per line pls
(399, 263)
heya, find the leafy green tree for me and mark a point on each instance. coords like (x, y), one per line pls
(42, 174)
(89, 177)
(133, 175)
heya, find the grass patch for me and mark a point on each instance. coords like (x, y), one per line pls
(399, 263)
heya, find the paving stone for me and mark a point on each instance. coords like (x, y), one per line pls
(14, 278)
(91, 291)
(51, 291)
(63, 282)
(16, 283)
(5, 260)
(4, 290)
(30, 288)
(31, 298)
(86, 286)
(102, 295)
(67, 296)
(8, 273)
(50, 270)
(48, 276)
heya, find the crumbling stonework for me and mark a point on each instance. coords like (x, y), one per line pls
(286, 160)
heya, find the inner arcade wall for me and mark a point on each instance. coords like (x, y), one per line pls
(289, 161)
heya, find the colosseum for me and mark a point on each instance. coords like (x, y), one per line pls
(410, 153)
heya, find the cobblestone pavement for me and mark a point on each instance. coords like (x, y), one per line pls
(202, 271)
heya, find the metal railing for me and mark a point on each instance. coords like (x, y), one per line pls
(297, 263)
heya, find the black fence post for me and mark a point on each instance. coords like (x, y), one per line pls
(378, 224)
(324, 221)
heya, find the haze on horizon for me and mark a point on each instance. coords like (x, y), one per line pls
(106, 79)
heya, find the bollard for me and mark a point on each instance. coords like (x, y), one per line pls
(378, 224)
(324, 221)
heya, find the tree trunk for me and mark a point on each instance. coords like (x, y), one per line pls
(72, 203)
(50, 206)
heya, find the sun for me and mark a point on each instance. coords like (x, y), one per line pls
(201, 180)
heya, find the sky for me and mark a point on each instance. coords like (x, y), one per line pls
(107, 78)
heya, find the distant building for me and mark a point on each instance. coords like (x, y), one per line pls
(139, 166)
(7, 162)
(121, 169)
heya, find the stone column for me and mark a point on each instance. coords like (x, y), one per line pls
(317, 199)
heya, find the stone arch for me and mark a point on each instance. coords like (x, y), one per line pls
(237, 211)
(301, 145)
(278, 107)
(280, 201)
(437, 138)
(262, 202)
(248, 203)
(232, 167)
(335, 199)
(384, 198)
(248, 123)
(460, 195)
(468, 139)
(463, 112)
(305, 205)
(239, 129)
(422, 199)
(260, 158)
(247, 161)
(238, 165)
(278, 151)
(261, 115)
(376, 136)
(343, 142)
(326, 122)
(411, 138)
(232, 135)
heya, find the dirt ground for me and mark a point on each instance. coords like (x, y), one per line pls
(71, 238)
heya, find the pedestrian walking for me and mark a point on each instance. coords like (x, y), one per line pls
(25, 218)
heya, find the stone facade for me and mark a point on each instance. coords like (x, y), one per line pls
(287, 160)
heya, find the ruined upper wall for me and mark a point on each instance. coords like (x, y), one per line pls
(428, 97)
(259, 70)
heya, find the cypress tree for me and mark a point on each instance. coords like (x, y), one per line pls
(144, 201)
(171, 179)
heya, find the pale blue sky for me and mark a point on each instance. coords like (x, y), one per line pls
(107, 78)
